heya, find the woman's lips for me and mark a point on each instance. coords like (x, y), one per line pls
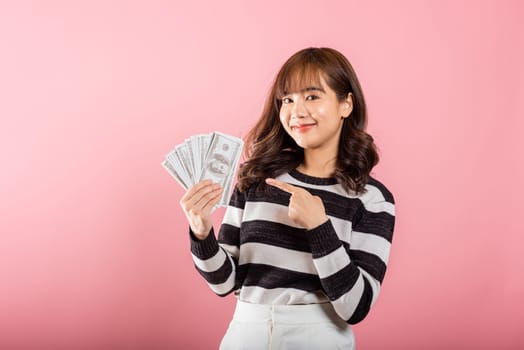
(302, 127)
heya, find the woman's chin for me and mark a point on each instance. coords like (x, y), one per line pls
(306, 145)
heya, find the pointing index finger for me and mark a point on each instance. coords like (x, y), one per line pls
(282, 185)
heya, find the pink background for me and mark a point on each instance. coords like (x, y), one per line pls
(94, 251)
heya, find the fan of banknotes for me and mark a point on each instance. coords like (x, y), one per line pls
(212, 156)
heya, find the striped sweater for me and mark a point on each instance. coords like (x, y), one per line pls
(265, 258)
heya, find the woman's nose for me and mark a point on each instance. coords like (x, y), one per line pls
(299, 109)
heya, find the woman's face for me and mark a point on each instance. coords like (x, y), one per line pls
(313, 116)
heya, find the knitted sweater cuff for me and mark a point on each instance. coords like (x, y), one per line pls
(206, 248)
(323, 239)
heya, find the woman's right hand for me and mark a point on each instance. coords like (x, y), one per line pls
(198, 203)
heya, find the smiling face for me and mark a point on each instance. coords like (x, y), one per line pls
(313, 115)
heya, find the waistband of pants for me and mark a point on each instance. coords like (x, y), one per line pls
(297, 314)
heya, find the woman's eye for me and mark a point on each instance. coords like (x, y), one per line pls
(311, 97)
(286, 100)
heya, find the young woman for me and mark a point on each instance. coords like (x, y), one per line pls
(306, 237)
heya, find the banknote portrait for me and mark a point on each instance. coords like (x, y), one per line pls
(218, 164)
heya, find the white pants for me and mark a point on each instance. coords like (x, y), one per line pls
(300, 327)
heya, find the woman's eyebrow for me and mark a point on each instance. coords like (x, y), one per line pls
(312, 88)
(309, 88)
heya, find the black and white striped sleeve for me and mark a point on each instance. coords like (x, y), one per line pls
(217, 260)
(351, 275)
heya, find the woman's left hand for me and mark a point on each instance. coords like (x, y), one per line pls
(305, 209)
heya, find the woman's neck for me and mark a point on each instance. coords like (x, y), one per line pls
(318, 164)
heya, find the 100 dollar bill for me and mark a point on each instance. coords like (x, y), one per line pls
(221, 162)
(212, 156)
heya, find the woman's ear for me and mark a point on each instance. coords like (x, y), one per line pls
(347, 106)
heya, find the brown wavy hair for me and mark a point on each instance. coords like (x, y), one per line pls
(270, 151)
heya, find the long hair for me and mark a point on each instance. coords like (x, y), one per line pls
(269, 150)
